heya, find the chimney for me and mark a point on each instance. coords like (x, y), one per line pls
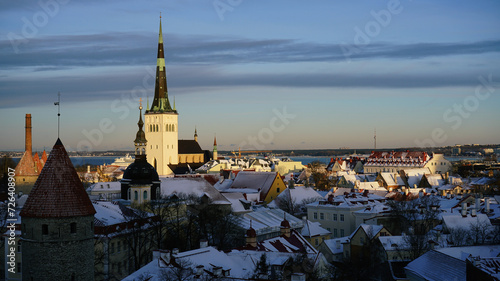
(28, 140)
(487, 200)
(88, 169)
(464, 209)
(473, 212)
(203, 243)
(217, 271)
(478, 204)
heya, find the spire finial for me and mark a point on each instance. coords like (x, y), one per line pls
(140, 103)
(58, 112)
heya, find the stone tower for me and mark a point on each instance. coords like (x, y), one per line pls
(57, 228)
(140, 181)
(162, 121)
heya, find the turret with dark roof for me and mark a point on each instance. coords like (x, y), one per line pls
(57, 228)
(58, 191)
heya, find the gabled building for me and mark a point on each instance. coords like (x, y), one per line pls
(363, 236)
(258, 186)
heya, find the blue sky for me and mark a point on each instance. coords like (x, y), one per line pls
(258, 74)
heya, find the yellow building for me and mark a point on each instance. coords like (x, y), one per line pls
(258, 186)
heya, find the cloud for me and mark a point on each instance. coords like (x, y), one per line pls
(113, 49)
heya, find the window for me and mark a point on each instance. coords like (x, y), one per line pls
(19, 270)
(341, 217)
(315, 215)
(342, 233)
(112, 248)
(278, 190)
(136, 195)
(335, 217)
(118, 247)
(18, 246)
(316, 242)
(321, 216)
(145, 196)
(362, 240)
(335, 234)
(73, 227)
(45, 229)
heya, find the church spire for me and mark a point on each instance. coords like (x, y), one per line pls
(195, 134)
(160, 101)
(140, 138)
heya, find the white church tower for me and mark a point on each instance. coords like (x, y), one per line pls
(161, 121)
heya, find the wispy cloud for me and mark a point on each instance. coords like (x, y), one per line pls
(134, 48)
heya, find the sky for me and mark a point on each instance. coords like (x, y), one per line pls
(259, 75)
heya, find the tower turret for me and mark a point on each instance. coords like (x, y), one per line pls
(195, 135)
(140, 182)
(57, 228)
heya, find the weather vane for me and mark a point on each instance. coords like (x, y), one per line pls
(58, 112)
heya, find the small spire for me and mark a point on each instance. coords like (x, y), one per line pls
(215, 140)
(174, 105)
(160, 36)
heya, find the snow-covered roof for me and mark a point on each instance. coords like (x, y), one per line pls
(392, 179)
(312, 229)
(437, 266)
(253, 181)
(300, 194)
(370, 230)
(266, 220)
(108, 213)
(456, 220)
(462, 253)
(335, 245)
(236, 200)
(240, 266)
(195, 186)
(393, 243)
(111, 186)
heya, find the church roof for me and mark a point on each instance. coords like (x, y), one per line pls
(58, 191)
(189, 147)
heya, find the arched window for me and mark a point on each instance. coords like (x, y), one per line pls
(136, 195)
(143, 151)
(173, 128)
(157, 128)
(145, 196)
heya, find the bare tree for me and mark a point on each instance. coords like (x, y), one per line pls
(416, 218)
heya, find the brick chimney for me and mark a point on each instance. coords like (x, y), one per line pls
(28, 140)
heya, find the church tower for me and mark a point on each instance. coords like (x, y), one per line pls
(140, 181)
(57, 230)
(161, 121)
(214, 153)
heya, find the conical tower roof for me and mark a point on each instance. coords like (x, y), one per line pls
(160, 101)
(26, 166)
(58, 191)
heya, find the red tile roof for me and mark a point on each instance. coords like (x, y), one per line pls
(26, 166)
(58, 192)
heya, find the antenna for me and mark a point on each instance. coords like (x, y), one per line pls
(58, 112)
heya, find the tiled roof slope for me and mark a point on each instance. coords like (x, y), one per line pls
(26, 166)
(58, 191)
